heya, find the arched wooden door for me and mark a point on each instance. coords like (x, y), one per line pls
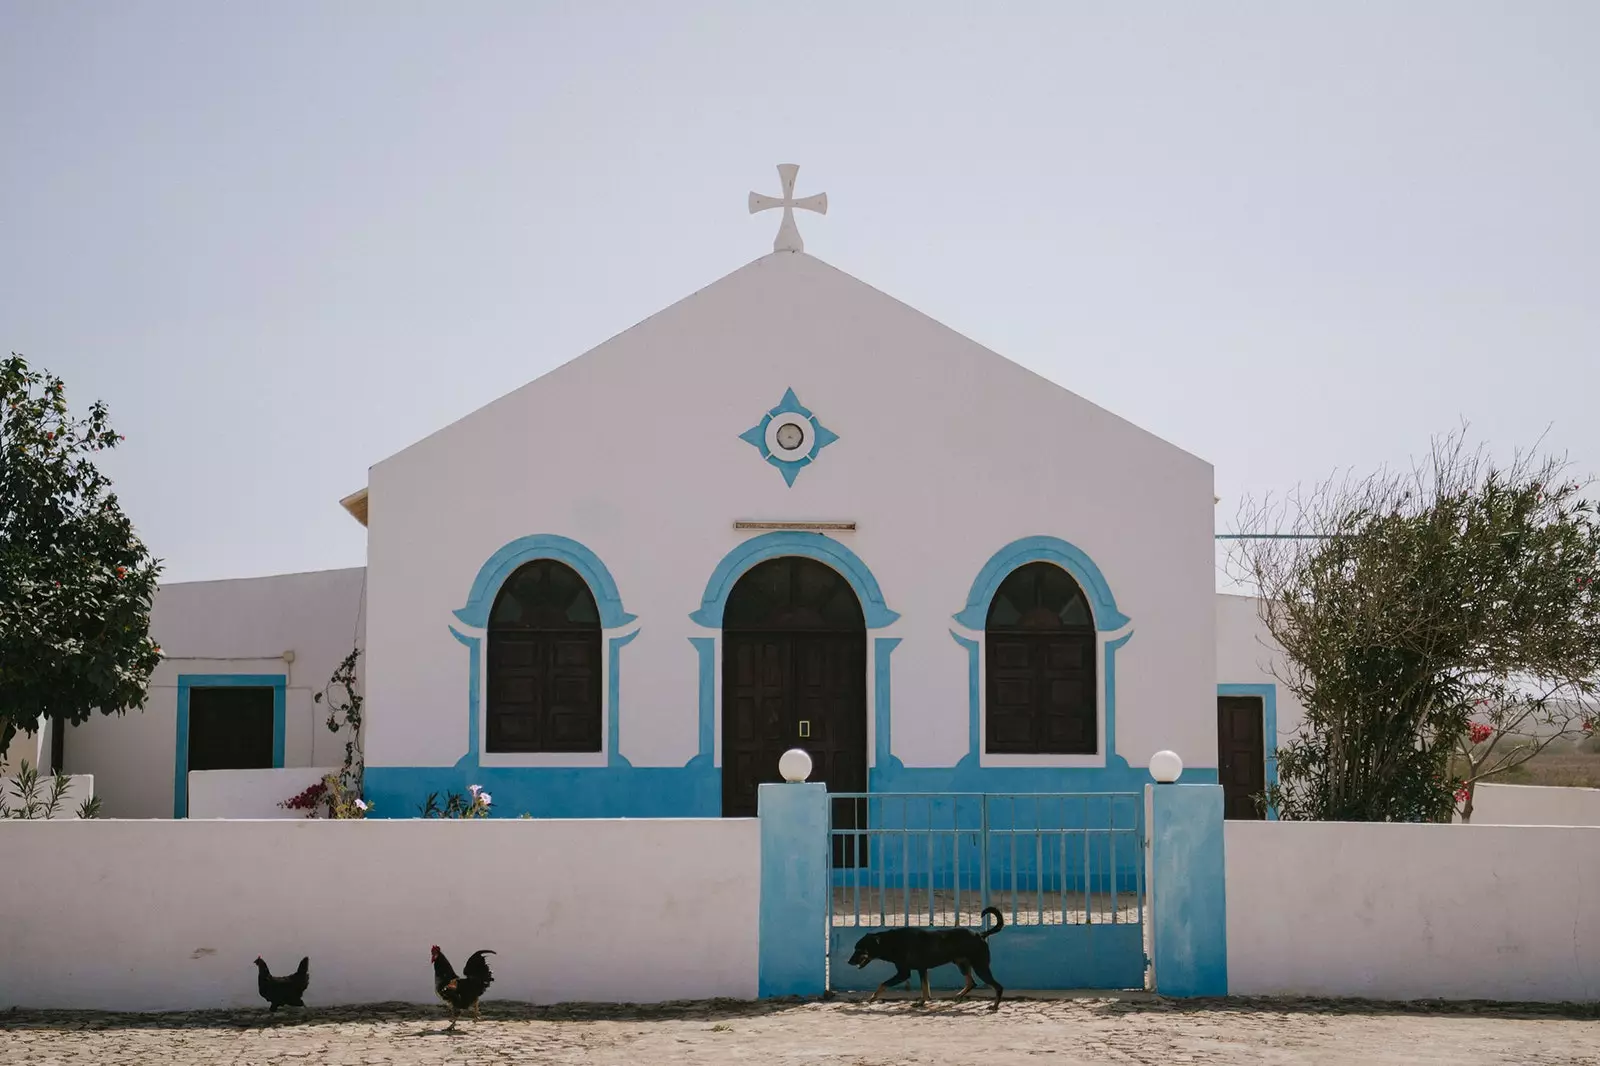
(794, 674)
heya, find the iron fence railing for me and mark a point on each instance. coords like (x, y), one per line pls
(940, 859)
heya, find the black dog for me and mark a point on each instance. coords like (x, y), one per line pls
(923, 949)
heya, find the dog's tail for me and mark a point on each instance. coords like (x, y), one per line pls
(999, 922)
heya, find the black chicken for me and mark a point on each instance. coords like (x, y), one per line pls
(283, 991)
(463, 992)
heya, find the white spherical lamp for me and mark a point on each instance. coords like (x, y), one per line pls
(794, 765)
(1166, 767)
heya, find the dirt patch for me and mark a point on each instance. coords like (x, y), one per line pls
(1066, 1031)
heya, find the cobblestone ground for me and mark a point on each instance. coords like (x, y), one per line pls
(1133, 1029)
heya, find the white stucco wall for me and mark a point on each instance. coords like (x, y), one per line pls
(1534, 805)
(225, 627)
(947, 452)
(598, 911)
(1245, 654)
(250, 793)
(1409, 911)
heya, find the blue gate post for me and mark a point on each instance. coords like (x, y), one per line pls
(1185, 883)
(794, 889)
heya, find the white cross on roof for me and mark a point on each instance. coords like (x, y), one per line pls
(788, 239)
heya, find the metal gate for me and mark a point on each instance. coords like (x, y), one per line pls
(1066, 869)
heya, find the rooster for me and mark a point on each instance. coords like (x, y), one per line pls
(283, 991)
(463, 992)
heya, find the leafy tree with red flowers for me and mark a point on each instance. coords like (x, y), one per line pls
(1438, 626)
(76, 583)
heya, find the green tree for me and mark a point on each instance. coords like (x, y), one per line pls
(1417, 610)
(76, 583)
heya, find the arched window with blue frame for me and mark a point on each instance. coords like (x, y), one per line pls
(1039, 639)
(544, 663)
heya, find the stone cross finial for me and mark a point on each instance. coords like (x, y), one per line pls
(788, 239)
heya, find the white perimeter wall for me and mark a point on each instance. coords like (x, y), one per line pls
(1406, 911)
(160, 915)
(225, 627)
(1534, 805)
(250, 793)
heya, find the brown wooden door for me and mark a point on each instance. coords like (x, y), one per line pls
(756, 723)
(794, 675)
(1042, 689)
(792, 690)
(830, 712)
(230, 728)
(1241, 756)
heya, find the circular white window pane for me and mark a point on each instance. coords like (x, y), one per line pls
(782, 440)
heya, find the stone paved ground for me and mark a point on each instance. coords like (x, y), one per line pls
(1062, 1032)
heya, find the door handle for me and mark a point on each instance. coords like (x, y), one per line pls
(805, 729)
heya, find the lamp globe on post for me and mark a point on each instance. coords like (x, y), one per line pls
(795, 765)
(1166, 767)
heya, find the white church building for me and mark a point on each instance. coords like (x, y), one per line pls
(786, 511)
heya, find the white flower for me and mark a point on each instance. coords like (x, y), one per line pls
(361, 804)
(474, 789)
(483, 798)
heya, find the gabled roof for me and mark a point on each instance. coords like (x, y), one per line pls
(817, 270)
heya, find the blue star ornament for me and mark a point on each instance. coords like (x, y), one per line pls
(789, 437)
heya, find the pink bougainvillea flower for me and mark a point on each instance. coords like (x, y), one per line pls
(361, 804)
(1479, 732)
(1461, 794)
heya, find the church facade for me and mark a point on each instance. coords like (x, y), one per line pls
(787, 511)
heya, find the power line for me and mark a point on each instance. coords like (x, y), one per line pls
(1275, 536)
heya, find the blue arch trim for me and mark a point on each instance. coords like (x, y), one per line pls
(470, 759)
(503, 563)
(614, 758)
(969, 762)
(1112, 758)
(774, 545)
(882, 718)
(705, 650)
(1069, 557)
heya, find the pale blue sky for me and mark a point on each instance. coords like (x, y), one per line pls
(284, 241)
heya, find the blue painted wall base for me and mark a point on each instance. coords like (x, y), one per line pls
(1188, 901)
(794, 889)
(553, 791)
(695, 790)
